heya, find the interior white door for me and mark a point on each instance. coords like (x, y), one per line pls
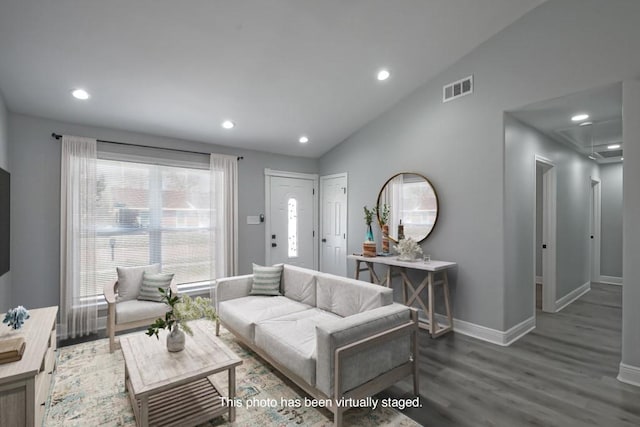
(333, 224)
(291, 221)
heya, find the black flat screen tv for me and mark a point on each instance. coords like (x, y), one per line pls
(5, 200)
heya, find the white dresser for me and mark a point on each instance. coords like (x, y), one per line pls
(24, 385)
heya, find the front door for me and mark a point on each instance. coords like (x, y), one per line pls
(290, 221)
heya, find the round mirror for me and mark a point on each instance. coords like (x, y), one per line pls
(410, 198)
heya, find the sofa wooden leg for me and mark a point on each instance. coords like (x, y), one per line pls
(337, 417)
(112, 342)
(217, 328)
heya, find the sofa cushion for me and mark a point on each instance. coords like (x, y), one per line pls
(266, 280)
(150, 284)
(299, 284)
(291, 340)
(130, 280)
(242, 314)
(135, 310)
(346, 297)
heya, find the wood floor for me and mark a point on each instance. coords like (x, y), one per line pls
(561, 374)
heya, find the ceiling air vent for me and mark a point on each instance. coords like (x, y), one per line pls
(457, 89)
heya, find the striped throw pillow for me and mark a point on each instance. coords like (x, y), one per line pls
(150, 284)
(266, 280)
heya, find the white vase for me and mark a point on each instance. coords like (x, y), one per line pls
(175, 339)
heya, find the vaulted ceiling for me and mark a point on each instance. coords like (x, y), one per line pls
(279, 69)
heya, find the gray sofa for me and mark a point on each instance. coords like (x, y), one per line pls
(336, 338)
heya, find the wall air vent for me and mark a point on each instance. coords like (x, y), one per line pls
(457, 89)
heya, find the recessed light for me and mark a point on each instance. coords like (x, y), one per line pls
(613, 147)
(228, 124)
(580, 117)
(586, 124)
(383, 75)
(303, 140)
(80, 94)
(621, 158)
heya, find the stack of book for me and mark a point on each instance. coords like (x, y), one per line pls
(11, 349)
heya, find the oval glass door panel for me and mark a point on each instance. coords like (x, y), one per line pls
(410, 198)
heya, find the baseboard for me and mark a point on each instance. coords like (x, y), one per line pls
(611, 280)
(572, 296)
(629, 374)
(494, 336)
(538, 280)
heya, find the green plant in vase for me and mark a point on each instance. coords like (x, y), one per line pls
(368, 219)
(183, 309)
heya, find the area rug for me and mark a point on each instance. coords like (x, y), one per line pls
(88, 390)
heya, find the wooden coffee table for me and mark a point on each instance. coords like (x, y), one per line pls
(173, 389)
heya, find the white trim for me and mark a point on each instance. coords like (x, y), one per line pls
(323, 180)
(268, 173)
(595, 214)
(549, 183)
(610, 280)
(494, 336)
(572, 296)
(629, 374)
(539, 280)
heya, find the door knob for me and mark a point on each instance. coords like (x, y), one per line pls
(544, 246)
(273, 245)
(324, 240)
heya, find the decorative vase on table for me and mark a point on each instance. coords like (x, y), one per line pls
(175, 339)
(385, 239)
(369, 245)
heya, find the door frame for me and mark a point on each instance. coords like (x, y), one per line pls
(268, 174)
(549, 184)
(323, 179)
(595, 212)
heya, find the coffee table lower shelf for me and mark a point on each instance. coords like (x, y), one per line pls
(184, 405)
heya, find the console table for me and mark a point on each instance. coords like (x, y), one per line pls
(410, 292)
(24, 384)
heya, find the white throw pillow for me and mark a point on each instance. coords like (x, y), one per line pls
(130, 280)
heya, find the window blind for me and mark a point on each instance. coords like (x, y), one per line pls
(152, 213)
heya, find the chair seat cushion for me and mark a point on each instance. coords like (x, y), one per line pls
(135, 310)
(241, 314)
(291, 340)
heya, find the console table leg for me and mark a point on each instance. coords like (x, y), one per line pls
(447, 303)
(433, 326)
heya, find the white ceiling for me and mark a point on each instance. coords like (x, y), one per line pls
(604, 107)
(278, 68)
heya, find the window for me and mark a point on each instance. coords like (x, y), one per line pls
(148, 214)
(292, 225)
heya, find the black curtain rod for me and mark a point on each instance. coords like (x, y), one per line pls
(58, 136)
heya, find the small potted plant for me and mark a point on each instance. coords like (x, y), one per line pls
(369, 245)
(183, 309)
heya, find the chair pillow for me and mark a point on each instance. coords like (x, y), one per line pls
(266, 280)
(130, 280)
(150, 284)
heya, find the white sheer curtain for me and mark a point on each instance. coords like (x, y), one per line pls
(224, 215)
(78, 309)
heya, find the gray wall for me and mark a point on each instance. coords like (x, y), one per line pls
(561, 47)
(611, 220)
(5, 279)
(573, 175)
(35, 211)
(631, 231)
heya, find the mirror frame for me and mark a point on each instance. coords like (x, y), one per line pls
(434, 192)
